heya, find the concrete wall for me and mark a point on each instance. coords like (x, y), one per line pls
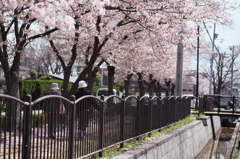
(184, 143)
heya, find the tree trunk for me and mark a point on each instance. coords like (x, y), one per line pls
(13, 109)
(91, 79)
(89, 64)
(127, 84)
(64, 88)
(67, 68)
(141, 85)
(219, 87)
(168, 87)
(12, 74)
(111, 72)
(81, 76)
(151, 88)
(150, 85)
(172, 89)
(158, 89)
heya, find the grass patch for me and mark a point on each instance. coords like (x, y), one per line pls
(114, 151)
(235, 152)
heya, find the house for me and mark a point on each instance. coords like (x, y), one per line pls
(23, 72)
(227, 91)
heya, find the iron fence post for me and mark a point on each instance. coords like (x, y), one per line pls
(138, 117)
(168, 111)
(233, 105)
(122, 122)
(183, 104)
(101, 127)
(175, 110)
(169, 107)
(219, 98)
(179, 109)
(163, 111)
(151, 122)
(26, 146)
(72, 128)
(186, 102)
(160, 112)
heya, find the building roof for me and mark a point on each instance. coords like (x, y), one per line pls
(60, 77)
(24, 68)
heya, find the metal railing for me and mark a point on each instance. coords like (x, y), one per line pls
(221, 103)
(36, 129)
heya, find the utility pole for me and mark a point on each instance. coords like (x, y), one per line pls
(197, 82)
(211, 61)
(231, 93)
(179, 71)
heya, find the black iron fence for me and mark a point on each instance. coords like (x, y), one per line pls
(87, 126)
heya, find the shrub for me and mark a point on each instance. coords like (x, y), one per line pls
(45, 77)
(38, 120)
(33, 74)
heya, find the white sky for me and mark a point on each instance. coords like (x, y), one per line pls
(227, 36)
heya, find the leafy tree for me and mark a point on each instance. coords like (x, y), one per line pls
(33, 74)
(98, 79)
(224, 68)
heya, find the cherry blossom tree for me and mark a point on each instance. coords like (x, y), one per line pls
(167, 21)
(96, 28)
(171, 31)
(22, 22)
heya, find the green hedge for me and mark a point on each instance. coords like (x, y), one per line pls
(37, 88)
